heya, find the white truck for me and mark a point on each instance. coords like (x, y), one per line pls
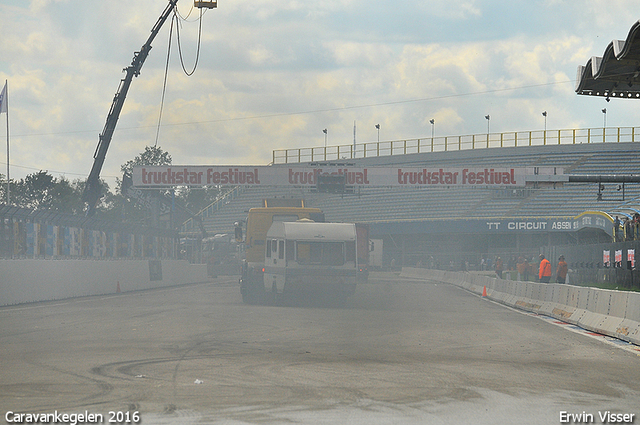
(316, 259)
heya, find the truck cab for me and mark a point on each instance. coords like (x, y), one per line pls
(258, 222)
(317, 259)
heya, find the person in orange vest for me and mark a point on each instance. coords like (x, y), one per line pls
(545, 270)
(561, 271)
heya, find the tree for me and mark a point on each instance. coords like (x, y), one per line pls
(41, 190)
(3, 188)
(34, 191)
(67, 196)
(187, 198)
(197, 199)
(152, 155)
(130, 210)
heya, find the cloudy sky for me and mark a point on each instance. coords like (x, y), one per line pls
(273, 74)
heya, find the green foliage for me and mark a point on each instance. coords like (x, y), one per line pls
(35, 190)
(40, 190)
(3, 189)
(125, 209)
(152, 155)
(194, 200)
(67, 196)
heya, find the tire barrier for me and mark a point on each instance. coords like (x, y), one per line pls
(608, 312)
(28, 280)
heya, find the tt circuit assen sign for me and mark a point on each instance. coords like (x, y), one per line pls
(190, 175)
(587, 220)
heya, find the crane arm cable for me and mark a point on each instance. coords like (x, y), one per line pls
(175, 20)
(195, 65)
(164, 85)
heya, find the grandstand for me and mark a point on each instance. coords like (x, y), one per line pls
(451, 222)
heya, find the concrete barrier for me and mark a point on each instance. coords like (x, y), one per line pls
(500, 292)
(597, 309)
(531, 299)
(560, 309)
(615, 304)
(546, 299)
(628, 329)
(613, 313)
(577, 302)
(510, 298)
(29, 280)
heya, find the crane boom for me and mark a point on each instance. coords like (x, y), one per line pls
(92, 190)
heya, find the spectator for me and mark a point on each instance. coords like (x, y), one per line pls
(511, 264)
(561, 271)
(527, 269)
(521, 266)
(499, 267)
(545, 270)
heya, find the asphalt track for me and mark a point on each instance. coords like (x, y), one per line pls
(399, 352)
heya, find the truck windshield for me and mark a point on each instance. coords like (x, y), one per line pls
(322, 253)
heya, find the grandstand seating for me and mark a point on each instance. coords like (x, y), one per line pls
(369, 204)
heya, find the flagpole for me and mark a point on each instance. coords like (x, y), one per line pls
(6, 100)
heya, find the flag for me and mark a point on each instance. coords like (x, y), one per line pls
(3, 99)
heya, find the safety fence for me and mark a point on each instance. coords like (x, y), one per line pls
(28, 233)
(457, 143)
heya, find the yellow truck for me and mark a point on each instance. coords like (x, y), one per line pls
(258, 223)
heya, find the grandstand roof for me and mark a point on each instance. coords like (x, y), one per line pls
(617, 72)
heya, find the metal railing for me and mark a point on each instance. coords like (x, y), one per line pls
(457, 143)
(191, 227)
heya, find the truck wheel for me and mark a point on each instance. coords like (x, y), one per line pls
(276, 298)
(252, 293)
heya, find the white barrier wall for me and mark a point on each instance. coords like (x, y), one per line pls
(24, 281)
(613, 313)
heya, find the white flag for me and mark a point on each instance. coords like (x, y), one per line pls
(3, 99)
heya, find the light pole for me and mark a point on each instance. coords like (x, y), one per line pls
(378, 128)
(604, 113)
(488, 118)
(544, 114)
(433, 125)
(325, 137)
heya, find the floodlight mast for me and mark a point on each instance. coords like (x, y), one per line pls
(93, 190)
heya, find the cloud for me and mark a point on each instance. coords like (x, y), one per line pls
(38, 5)
(273, 74)
(453, 10)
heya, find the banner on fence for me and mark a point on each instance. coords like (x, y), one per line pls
(198, 175)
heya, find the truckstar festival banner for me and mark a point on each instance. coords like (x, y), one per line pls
(190, 175)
